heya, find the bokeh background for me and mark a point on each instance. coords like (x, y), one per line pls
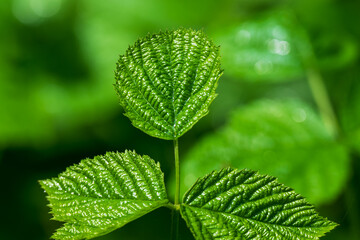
(288, 104)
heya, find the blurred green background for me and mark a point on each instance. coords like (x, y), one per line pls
(288, 104)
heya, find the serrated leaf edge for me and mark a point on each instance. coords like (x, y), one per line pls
(183, 206)
(157, 203)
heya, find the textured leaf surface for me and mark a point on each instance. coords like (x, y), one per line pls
(284, 139)
(266, 48)
(167, 81)
(233, 204)
(102, 194)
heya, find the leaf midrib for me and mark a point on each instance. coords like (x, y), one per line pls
(107, 199)
(117, 222)
(141, 94)
(247, 219)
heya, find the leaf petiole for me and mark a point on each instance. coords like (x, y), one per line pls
(175, 211)
(322, 100)
(177, 172)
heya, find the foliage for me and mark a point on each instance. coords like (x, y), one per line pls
(280, 138)
(166, 83)
(233, 204)
(102, 194)
(57, 104)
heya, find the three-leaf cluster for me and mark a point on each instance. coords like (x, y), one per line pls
(166, 83)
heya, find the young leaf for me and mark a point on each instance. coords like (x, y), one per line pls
(233, 204)
(167, 81)
(102, 194)
(285, 139)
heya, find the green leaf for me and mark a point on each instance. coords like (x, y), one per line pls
(102, 194)
(285, 139)
(233, 204)
(167, 81)
(266, 48)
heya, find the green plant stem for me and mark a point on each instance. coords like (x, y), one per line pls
(175, 224)
(170, 206)
(318, 87)
(177, 172)
(175, 211)
(322, 100)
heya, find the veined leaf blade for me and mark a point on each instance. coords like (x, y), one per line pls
(233, 204)
(102, 194)
(167, 81)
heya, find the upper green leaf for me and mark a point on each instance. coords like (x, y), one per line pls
(285, 139)
(102, 194)
(167, 81)
(233, 204)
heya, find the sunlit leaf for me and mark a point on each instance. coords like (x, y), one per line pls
(233, 204)
(285, 139)
(167, 81)
(267, 48)
(102, 194)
